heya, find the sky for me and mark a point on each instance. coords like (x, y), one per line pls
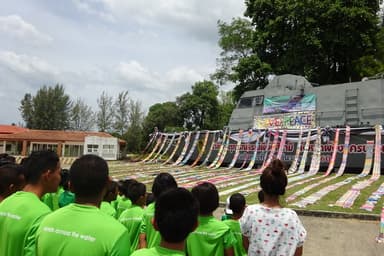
(154, 49)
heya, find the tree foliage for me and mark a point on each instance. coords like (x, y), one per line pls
(81, 116)
(121, 113)
(105, 115)
(47, 110)
(134, 135)
(322, 40)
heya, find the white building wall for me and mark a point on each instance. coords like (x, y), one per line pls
(107, 148)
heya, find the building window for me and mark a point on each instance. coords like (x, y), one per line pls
(92, 148)
(73, 150)
(245, 102)
(38, 147)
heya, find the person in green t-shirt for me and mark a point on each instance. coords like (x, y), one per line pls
(124, 203)
(81, 228)
(175, 217)
(131, 218)
(11, 179)
(237, 206)
(211, 237)
(109, 197)
(149, 237)
(22, 212)
(66, 197)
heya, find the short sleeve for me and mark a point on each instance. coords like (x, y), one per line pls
(301, 233)
(245, 222)
(229, 239)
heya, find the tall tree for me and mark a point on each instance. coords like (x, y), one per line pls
(226, 106)
(134, 135)
(105, 114)
(238, 63)
(200, 108)
(321, 40)
(48, 109)
(121, 121)
(82, 117)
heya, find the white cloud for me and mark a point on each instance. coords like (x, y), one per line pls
(87, 7)
(15, 26)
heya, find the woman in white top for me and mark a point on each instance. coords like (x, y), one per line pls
(268, 228)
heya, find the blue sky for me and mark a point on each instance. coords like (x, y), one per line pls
(155, 49)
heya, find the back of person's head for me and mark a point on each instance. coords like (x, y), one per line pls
(125, 184)
(176, 213)
(88, 176)
(7, 159)
(208, 196)
(149, 199)
(39, 162)
(11, 179)
(163, 182)
(260, 196)
(136, 191)
(273, 180)
(64, 183)
(111, 193)
(237, 203)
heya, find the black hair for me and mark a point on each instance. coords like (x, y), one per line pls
(10, 174)
(125, 184)
(260, 196)
(39, 162)
(150, 198)
(163, 182)
(7, 159)
(64, 179)
(176, 213)
(237, 203)
(135, 191)
(208, 196)
(88, 176)
(273, 180)
(111, 192)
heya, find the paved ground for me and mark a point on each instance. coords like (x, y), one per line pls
(339, 236)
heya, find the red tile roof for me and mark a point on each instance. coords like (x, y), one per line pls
(9, 129)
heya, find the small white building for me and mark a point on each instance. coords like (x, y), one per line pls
(105, 147)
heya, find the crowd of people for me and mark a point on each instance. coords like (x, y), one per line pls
(47, 211)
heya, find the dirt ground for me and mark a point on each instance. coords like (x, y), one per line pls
(338, 236)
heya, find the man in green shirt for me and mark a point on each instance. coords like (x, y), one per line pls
(22, 212)
(211, 237)
(81, 228)
(131, 218)
(11, 179)
(176, 214)
(149, 237)
(124, 202)
(109, 197)
(237, 206)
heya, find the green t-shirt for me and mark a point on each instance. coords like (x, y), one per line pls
(108, 209)
(20, 216)
(52, 199)
(131, 219)
(66, 198)
(151, 235)
(234, 226)
(116, 202)
(81, 230)
(157, 251)
(123, 205)
(211, 237)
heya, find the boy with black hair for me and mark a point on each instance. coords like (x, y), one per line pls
(11, 180)
(149, 237)
(109, 197)
(211, 237)
(124, 202)
(176, 214)
(81, 228)
(237, 206)
(131, 218)
(66, 197)
(22, 212)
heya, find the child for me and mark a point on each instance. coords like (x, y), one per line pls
(237, 206)
(149, 237)
(175, 217)
(124, 202)
(66, 197)
(212, 237)
(109, 197)
(131, 218)
(11, 180)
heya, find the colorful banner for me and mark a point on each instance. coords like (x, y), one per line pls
(192, 149)
(294, 120)
(289, 104)
(210, 150)
(186, 144)
(293, 167)
(202, 149)
(334, 151)
(237, 152)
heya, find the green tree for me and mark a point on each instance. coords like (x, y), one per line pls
(322, 40)
(81, 117)
(121, 120)
(47, 110)
(105, 117)
(238, 63)
(199, 109)
(226, 106)
(134, 135)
